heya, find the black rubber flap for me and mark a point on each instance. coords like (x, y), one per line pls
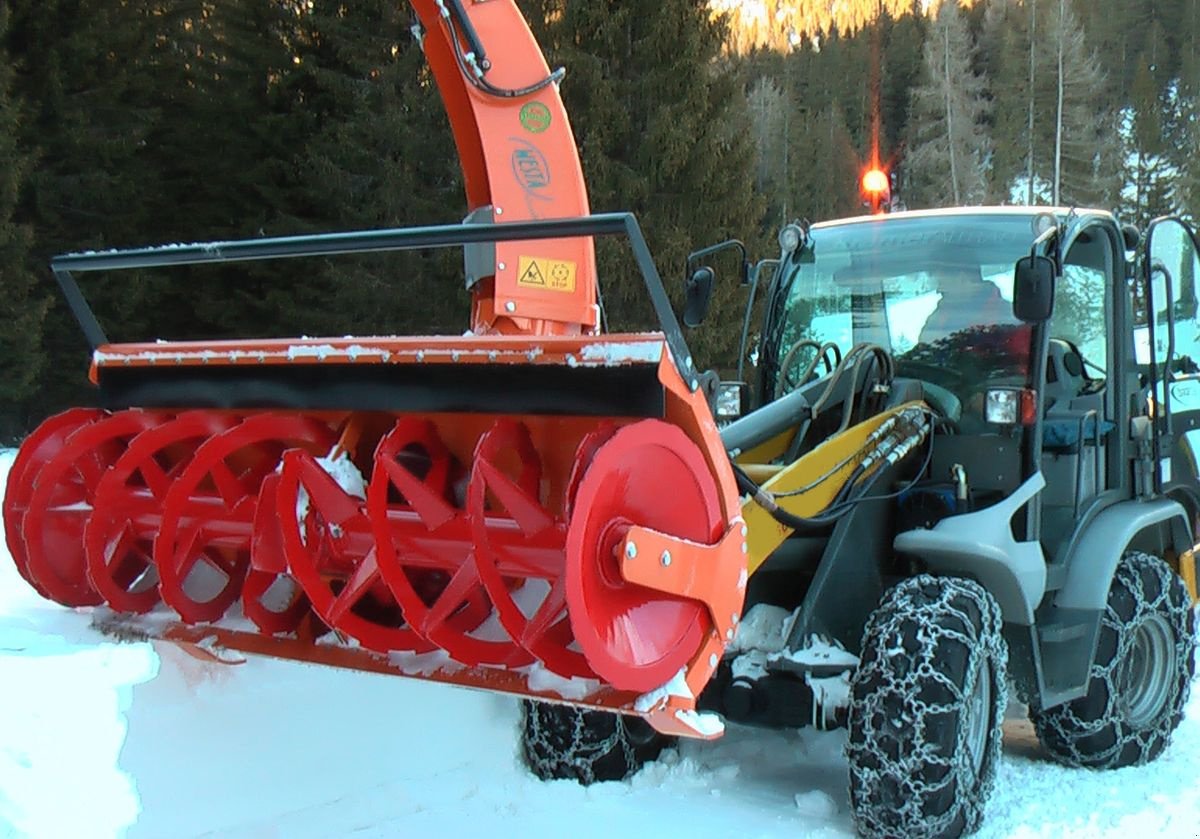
(627, 390)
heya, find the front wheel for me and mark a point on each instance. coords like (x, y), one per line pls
(1140, 674)
(926, 707)
(561, 741)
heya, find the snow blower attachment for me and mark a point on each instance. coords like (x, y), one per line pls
(475, 509)
(523, 508)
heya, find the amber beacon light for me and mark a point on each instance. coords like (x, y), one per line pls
(877, 189)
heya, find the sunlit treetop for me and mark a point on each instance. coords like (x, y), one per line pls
(793, 24)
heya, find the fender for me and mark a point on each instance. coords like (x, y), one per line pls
(1092, 560)
(980, 545)
(519, 161)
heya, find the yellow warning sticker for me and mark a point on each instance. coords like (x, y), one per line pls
(547, 274)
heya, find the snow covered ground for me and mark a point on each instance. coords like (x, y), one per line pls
(100, 739)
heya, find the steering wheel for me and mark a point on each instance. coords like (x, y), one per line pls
(947, 376)
(822, 353)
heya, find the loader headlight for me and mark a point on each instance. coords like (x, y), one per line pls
(1010, 406)
(729, 403)
(791, 238)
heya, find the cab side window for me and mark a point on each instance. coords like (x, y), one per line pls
(1079, 323)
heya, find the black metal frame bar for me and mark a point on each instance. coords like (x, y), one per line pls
(375, 241)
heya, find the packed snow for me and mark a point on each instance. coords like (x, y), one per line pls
(100, 739)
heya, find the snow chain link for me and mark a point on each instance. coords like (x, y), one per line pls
(905, 779)
(566, 742)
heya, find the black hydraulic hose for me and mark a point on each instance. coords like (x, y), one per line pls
(469, 33)
(842, 503)
(764, 500)
(480, 83)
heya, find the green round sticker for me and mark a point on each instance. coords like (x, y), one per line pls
(535, 117)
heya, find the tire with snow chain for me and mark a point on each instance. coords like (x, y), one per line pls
(926, 706)
(1140, 674)
(561, 741)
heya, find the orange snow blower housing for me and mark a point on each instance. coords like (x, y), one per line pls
(530, 503)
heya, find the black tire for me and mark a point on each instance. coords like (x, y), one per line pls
(561, 741)
(1140, 676)
(926, 706)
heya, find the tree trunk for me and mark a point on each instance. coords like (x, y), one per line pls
(949, 112)
(1032, 79)
(1058, 111)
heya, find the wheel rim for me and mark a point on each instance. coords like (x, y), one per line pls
(1145, 682)
(978, 712)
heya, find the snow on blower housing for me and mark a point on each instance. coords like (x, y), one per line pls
(959, 466)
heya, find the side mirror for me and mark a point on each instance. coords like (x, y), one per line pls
(1033, 289)
(697, 293)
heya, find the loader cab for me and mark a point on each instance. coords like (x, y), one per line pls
(935, 290)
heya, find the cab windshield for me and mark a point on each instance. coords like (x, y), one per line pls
(935, 291)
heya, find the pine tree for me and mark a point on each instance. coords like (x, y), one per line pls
(1053, 124)
(948, 148)
(1185, 139)
(80, 73)
(771, 116)
(1015, 67)
(381, 156)
(827, 166)
(223, 153)
(1082, 117)
(902, 62)
(22, 304)
(1148, 172)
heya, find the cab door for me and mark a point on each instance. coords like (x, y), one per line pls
(1082, 388)
(1168, 346)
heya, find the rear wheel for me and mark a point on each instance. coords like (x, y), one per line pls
(926, 707)
(1139, 677)
(561, 741)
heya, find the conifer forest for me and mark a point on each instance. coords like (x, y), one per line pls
(135, 122)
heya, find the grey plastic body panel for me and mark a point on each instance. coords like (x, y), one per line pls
(1092, 559)
(981, 545)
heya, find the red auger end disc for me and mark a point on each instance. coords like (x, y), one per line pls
(38, 449)
(649, 475)
(63, 499)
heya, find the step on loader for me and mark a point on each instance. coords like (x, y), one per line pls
(894, 523)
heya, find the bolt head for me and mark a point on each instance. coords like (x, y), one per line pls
(630, 550)
(713, 660)
(510, 306)
(666, 558)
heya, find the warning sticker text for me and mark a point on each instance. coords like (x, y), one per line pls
(548, 274)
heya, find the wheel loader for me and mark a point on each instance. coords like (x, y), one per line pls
(893, 524)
